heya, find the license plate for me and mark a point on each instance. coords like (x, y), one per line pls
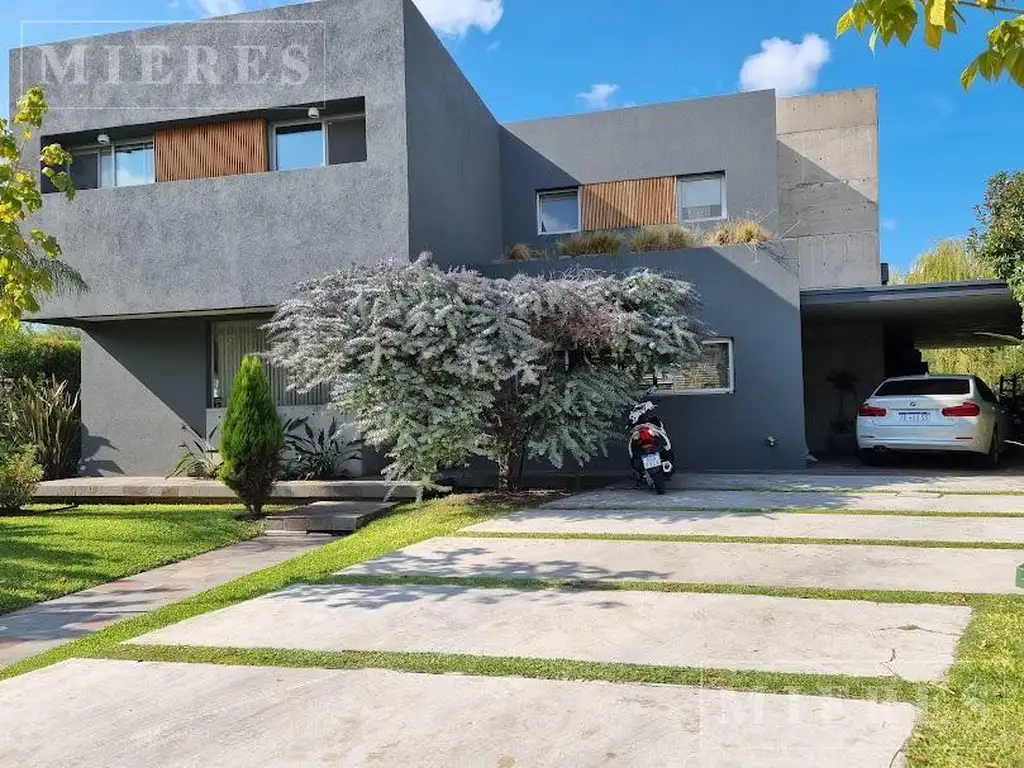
(651, 461)
(914, 417)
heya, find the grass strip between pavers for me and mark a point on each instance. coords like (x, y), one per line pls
(754, 511)
(625, 585)
(973, 719)
(841, 686)
(715, 539)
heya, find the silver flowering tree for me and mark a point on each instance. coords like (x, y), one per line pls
(439, 367)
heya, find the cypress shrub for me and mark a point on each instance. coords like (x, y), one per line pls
(251, 438)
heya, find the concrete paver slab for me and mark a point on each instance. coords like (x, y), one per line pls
(122, 715)
(779, 524)
(767, 500)
(40, 627)
(935, 481)
(750, 632)
(840, 566)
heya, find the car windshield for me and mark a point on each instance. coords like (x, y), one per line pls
(929, 386)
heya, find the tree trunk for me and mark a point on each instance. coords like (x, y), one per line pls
(506, 460)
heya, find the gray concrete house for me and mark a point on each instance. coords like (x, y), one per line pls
(220, 162)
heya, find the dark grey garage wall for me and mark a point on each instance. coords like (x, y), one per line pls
(244, 240)
(141, 380)
(735, 134)
(751, 297)
(454, 160)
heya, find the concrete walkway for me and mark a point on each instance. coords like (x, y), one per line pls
(40, 627)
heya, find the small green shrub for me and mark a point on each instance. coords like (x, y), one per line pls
(40, 356)
(20, 474)
(199, 456)
(523, 252)
(738, 232)
(668, 237)
(749, 232)
(720, 235)
(317, 454)
(252, 438)
(46, 415)
(590, 244)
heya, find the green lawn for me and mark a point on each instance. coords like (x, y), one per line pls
(46, 555)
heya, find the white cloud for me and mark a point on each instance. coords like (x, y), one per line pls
(889, 224)
(599, 95)
(217, 7)
(457, 17)
(494, 46)
(790, 68)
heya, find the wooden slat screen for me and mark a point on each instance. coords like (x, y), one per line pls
(632, 203)
(216, 149)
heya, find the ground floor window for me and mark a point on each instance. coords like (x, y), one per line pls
(711, 374)
(231, 341)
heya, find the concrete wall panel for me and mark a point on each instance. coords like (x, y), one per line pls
(454, 158)
(828, 186)
(141, 381)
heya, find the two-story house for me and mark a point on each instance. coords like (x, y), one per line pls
(223, 161)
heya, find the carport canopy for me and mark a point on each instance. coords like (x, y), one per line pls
(935, 315)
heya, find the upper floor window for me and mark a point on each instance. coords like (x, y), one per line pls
(314, 143)
(710, 374)
(120, 164)
(701, 198)
(558, 212)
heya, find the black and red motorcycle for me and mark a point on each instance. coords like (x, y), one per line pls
(650, 448)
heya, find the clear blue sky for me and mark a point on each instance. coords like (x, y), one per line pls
(531, 58)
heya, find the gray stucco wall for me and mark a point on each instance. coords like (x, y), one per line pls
(244, 240)
(753, 298)
(141, 380)
(828, 186)
(454, 160)
(735, 134)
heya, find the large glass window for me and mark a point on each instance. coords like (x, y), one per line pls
(298, 146)
(133, 165)
(232, 340)
(702, 198)
(126, 164)
(710, 374)
(311, 144)
(558, 212)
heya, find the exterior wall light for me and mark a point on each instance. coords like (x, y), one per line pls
(313, 113)
(103, 139)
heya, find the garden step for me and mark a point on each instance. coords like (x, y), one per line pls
(741, 632)
(326, 517)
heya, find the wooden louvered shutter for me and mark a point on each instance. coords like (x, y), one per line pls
(631, 203)
(215, 149)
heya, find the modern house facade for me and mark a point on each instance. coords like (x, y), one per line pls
(221, 162)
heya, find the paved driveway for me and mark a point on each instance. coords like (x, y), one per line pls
(531, 591)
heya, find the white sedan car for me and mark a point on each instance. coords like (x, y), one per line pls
(932, 413)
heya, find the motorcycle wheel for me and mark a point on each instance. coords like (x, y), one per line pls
(658, 481)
